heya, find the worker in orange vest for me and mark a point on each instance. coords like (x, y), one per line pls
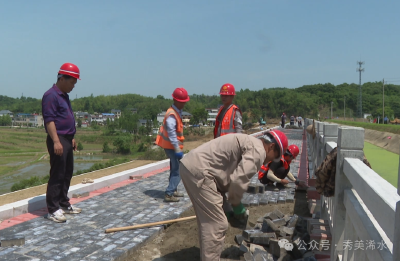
(280, 170)
(229, 118)
(170, 138)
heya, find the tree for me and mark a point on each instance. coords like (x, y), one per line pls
(5, 120)
(199, 115)
(79, 121)
(106, 148)
(123, 144)
(80, 146)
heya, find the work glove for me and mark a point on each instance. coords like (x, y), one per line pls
(240, 216)
(178, 153)
(229, 215)
(301, 183)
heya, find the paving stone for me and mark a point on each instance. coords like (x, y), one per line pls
(278, 213)
(239, 239)
(11, 240)
(263, 239)
(82, 237)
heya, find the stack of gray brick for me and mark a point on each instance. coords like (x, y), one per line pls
(263, 241)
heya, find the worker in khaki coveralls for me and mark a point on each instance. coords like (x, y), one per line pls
(219, 166)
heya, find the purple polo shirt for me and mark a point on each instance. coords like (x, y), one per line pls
(57, 107)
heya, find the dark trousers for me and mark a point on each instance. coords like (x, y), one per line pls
(61, 169)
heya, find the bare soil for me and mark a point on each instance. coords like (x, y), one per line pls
(180, 240)
(385, 140)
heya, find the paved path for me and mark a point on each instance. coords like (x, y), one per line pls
(82, 237)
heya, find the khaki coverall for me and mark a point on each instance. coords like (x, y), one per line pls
(225, 164)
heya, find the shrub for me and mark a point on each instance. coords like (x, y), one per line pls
(106, 148)
(154, 154)
(80, 146)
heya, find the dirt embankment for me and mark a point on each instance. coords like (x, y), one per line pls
(39, 190)
(385, 140)
(180, 240)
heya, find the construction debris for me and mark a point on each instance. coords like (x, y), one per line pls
(279, 236)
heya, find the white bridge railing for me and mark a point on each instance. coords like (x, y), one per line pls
(364, 213)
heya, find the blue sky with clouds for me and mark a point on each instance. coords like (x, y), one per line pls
(151, 47)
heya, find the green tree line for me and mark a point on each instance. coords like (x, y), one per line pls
(307, 101)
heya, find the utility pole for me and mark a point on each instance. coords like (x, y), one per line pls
(331, 109)
(360, 70)
(344, 108)
(383, 100)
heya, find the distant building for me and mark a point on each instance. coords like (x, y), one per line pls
(84, 116)
(110, 116)
(116, 112)
(28, 119)
(6, 112)
(143, 122)
(133, 110)
(186, 116)
(212, 115)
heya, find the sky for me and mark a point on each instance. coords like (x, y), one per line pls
(151, 47)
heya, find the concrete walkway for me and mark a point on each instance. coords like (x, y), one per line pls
(83, 236)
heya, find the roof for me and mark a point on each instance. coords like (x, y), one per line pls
(108, 114)
(186, 113)
(115, 110)
(5, 111)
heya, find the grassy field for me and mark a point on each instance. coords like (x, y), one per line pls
(372, 126)
(383, 162)
(23, 147)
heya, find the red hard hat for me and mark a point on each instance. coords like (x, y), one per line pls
(227, 89)
(294, 150)
(281, 139)
(69, 69)
(181, 95)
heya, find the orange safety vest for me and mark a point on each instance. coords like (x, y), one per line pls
(264, 168)
(227, 125)
(163, 139)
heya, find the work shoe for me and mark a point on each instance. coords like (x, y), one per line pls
(71, 210)
(177, 194)
(168, 198)
(57, 216)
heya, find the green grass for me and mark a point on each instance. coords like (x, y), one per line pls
(36, 181)
(383, 162)
(372, 126)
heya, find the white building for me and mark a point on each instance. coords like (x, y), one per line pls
(212, 115)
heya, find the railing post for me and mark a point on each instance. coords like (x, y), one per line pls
(330, 134)
(320, 144)
(350, 145)
(396, 241)
(314, 151)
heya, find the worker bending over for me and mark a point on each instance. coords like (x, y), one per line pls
(219, 166)
(229, 118)
(278, 171)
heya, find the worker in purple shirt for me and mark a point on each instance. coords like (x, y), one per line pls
(60, 126)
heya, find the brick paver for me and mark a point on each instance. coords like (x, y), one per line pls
(83, 236)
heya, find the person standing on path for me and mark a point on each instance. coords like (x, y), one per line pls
(300, 119)
(229, 117)
(220, 166)
(170, 138)
(59, 123)
(283, 120)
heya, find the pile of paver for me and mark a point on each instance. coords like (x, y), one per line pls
(278, 236)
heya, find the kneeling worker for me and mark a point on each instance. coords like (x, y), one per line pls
(278, 171)
(219, 166)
